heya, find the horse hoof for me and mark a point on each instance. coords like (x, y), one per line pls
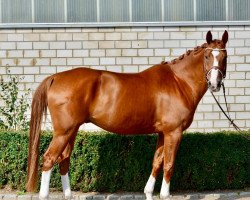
(67, 194)
(165, 197)
(42, 197)
(149, 196)
(68, 197)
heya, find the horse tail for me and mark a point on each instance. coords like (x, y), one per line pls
(38, 109)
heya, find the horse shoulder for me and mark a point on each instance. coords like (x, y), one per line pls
(174, 103)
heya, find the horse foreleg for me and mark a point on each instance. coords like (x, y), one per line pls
(56, 147)
(64, 163)
(171, 144)
(157, 165)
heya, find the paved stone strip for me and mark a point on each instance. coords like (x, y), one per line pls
(194, 196)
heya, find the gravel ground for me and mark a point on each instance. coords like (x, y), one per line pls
(222, 195)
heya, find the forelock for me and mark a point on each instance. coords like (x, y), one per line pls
(217, 44)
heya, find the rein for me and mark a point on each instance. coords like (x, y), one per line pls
(227, 114)
(224, 112)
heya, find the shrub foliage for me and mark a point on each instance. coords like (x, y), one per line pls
(107, 162)
(12, 113)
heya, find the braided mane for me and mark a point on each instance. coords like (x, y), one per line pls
(195, 50)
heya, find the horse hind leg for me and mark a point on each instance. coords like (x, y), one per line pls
(64, 163)
(157, 166)
(58, 144)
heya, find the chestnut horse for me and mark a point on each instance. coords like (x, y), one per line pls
(161, 99)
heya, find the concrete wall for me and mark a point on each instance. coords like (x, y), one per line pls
(37, 53)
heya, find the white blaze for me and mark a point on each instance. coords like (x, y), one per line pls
(213, 78)
(66, 186)
(44, 189)
(149, 188)
(164, 194)
(214, 72)
(215, 54)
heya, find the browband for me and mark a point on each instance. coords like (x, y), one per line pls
(215, 49)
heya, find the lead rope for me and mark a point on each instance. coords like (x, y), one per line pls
(228, 115)
(225, 99)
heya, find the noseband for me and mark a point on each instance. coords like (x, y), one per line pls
(207, 73)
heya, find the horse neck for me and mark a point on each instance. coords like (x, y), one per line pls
(190, 69)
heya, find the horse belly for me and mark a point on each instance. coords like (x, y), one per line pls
(125, 123)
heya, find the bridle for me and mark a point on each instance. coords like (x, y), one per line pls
(207, 73)
(224, 93)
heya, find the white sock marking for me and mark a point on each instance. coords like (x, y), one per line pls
(164, 189)
(149, 188)
(66, 186)
(44, 189)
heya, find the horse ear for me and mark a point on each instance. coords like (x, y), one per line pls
(225, 37)
(209, 37)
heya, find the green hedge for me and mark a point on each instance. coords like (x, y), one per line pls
(107, 162)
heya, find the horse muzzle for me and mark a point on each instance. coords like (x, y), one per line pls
(214, 87)
(214, 79)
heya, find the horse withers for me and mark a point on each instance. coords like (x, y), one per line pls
(161, 99)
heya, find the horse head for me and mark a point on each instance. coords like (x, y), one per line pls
(215, 61)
